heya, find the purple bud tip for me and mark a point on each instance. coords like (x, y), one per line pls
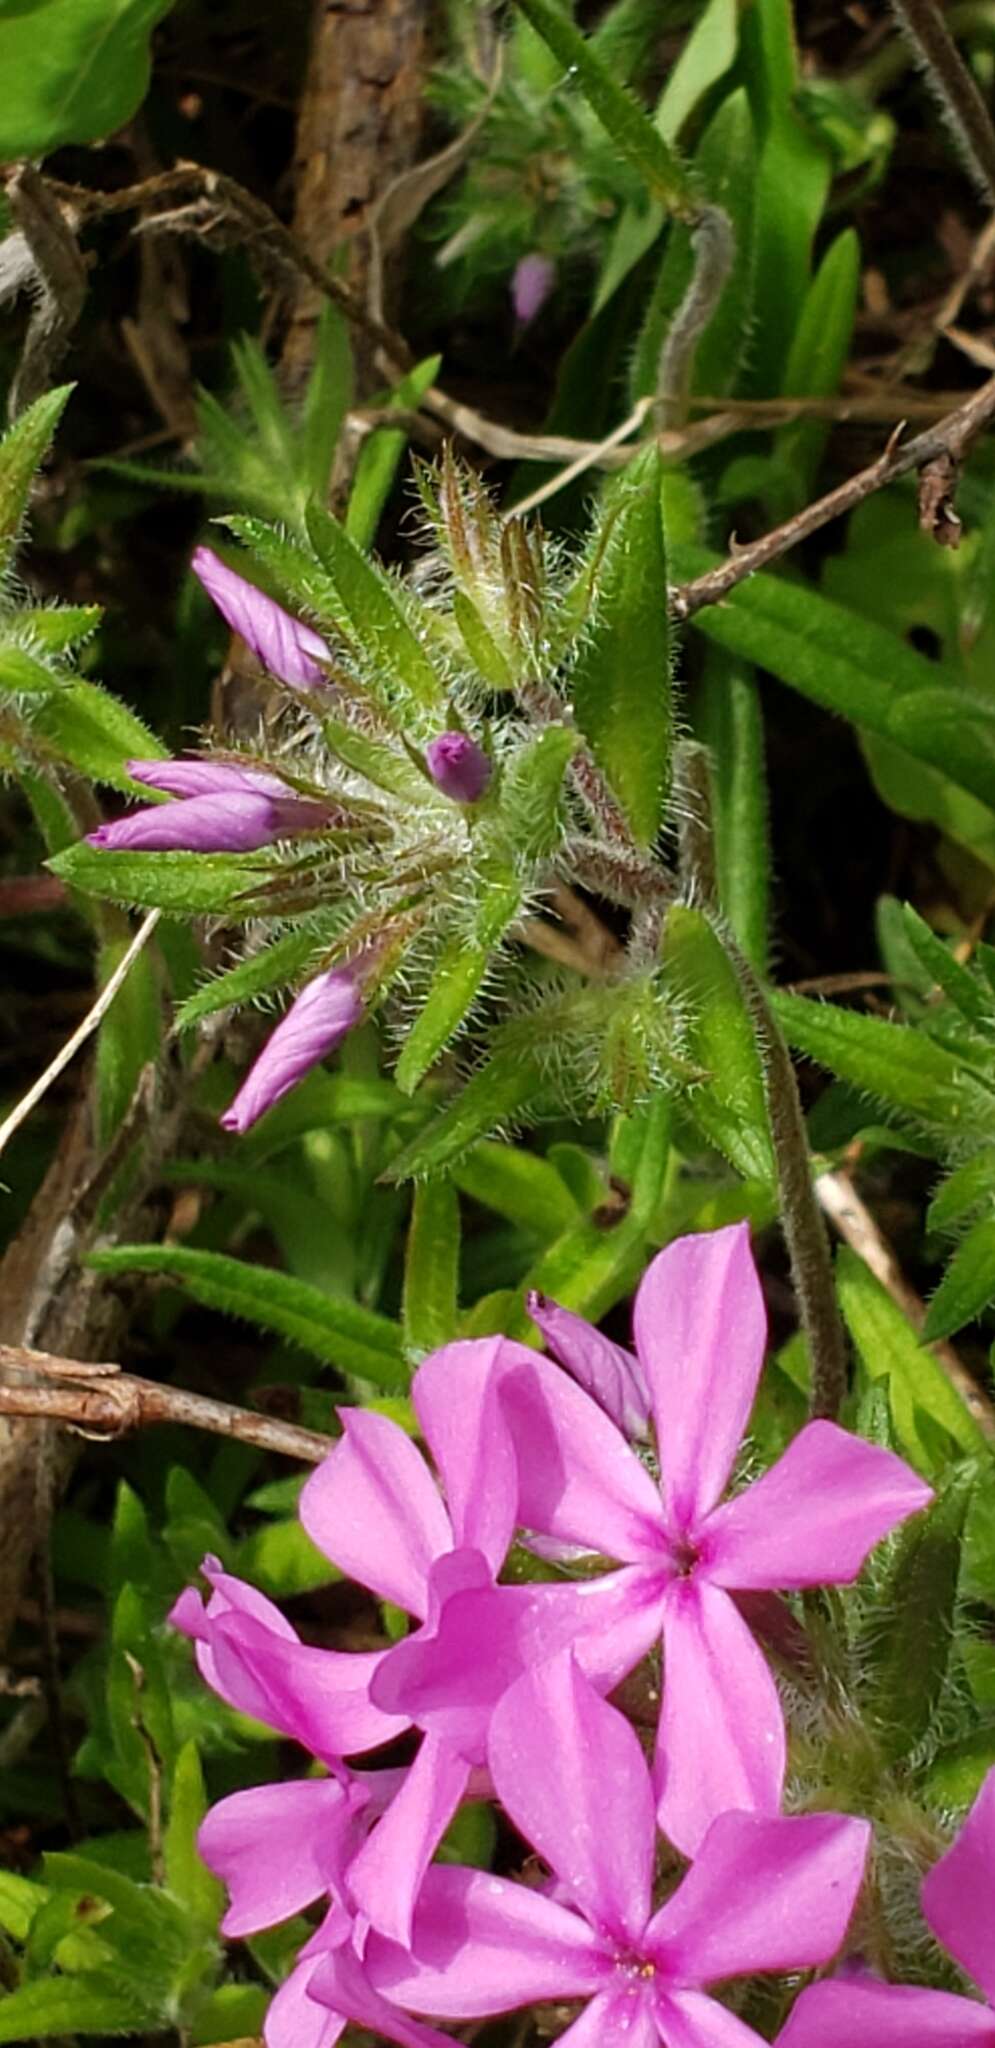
(532, 281)
(458, 767)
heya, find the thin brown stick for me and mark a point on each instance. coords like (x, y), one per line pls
(950, 437)
(851, 1217)
(101, 1401)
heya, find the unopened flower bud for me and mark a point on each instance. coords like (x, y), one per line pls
(290, 650)
(458, 767)
(319, 1019)
(532, 281)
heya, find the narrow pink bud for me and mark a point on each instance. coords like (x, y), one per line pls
(458, 767)
(328, 1008)
(532, 281)
(290, 650)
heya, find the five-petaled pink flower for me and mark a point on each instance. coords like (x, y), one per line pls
(374, 1508)
(958, 1901)
(700, 1332)
(761, 1895)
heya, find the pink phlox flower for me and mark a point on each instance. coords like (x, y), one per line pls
(296, 2020)
(458, 767)
(612, 1376)
(318, 1019)
(288, 649)
(958, 1901)
(761, 1895)
(700, 1331)
(221, 807)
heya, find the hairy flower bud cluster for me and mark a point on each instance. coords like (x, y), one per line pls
(506, 1684)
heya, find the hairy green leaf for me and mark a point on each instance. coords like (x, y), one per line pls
(431, 1266)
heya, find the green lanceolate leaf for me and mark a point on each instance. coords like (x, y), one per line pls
(73, 70)
(969, 995)
(792, 181)
(903, 1067)
(326, 401)
(375, 616)
(967, 1286)
(816, 361)
(629, 127)
(455, 982)
(374, 760)
(890, 1348)
(484, 651)
(194, 883)
(729, 719)
(622, 689)
(88, 2002)
(729, 1106)
(340, 1333)
(26, 443)
(911, 1637)
(431, 1267)
(500, 1093)
(56, 629)
(531, 793)
(519, 1186)
(853, 666)
(130, 1033)
(971, 1187)
(273, 967)
(187, 1875)
(96, 734)
(21, 673)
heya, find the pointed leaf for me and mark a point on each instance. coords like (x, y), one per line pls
(431, 1267)
(74, 76)
(381, 453)
(967, 1286)
(375, 615)
(630, 129)
(174, 882)
(24, 446)
(729, 1105)
(972, 1186)
(89, 2002)
(889, 1347)
(900, 1065)
(966, 992)
(621, 686)
(498, 1094)
(910, 1637)
(96, 733)
(729, 719)
(339, 1332)
(275, 966)
(187, 1875)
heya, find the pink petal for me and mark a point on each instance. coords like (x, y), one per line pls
(455, 1393)
(277, 1848)
(611, 1622)
(687, 2019)
(700, 1328)
(811, 1520)
(625, 2018)
(318, 1019)
(863, 2015)
(238, 822)
(762, 1895)
(532, 280)
(373, 1507)
(290, 650)
(958, 1896)
(556, 1753)
(483, 1945)
(612, 1377)
(448, 1677)
(720, 1743)
(385, 1877)
(295, 2021)
(205, 777)
(341, 1982)
(578, 1478)
(319, 1697)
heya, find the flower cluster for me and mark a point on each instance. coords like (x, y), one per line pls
(505, 1685)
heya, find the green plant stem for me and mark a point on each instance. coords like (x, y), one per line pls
(801, 1218)
(714, 248)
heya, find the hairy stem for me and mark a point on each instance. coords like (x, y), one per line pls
(965, 111)
(714, 249)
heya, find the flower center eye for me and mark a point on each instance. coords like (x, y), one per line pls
(636, 1968)
(686, 1556)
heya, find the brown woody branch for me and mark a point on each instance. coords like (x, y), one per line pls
(101, 1401)
(947, 440)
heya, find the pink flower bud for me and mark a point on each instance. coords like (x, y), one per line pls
(532, 281)
(290, 650)
(328, 1008)
(458, 767)
(221, 808)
